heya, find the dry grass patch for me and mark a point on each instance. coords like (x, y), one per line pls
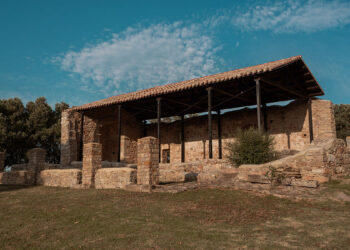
(47, 218)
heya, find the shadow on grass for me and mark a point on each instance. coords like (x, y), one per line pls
(6, 188)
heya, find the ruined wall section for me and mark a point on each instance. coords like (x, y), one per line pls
(70, 136)
(289, 125)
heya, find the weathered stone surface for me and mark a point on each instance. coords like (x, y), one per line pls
(92, 155)
(17, 178)
(147, 161)
(2, 161)
(60, 178)
(348, 141)
(115, 177)
(304, 183)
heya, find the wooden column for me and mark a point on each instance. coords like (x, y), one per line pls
(158, 126)
(182, 137)
(210, 127)
(309, 109)
(119, 131)
(219, 134)
(258, 103)
(265, 116)
(81, 137)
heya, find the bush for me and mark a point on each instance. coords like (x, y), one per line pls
(342, 120)
(250, 147)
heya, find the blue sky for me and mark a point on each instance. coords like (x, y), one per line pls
(82, 51)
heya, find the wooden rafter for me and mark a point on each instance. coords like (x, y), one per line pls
(284, 88)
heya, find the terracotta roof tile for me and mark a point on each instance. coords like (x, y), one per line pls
(189, 84)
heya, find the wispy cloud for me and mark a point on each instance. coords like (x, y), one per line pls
(293, 16)
(143, 57)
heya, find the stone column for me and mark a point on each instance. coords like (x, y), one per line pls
(36, 162)
(148, 161)
(92, 157)
(2, 161)
(70, 136)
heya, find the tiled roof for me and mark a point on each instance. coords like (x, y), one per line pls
(189, 84)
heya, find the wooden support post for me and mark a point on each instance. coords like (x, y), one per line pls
(144, 128)
(309, 109)
(81, 137)
(258, 103)
(210, 127)
(158, 126)
(182, 139)
(119, 131)
(219, 134)
(265, 116)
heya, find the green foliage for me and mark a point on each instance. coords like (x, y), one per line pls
(36, 125)
(250, 147)
(342, 120)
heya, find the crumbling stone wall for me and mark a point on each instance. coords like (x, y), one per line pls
(100, 130)
(147, 161)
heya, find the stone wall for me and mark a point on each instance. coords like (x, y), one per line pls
(287, 124)
(128, 150)
(22, 177)
(115, 177)
(70, 139)
(92, 154)
(147, 161)
(2, 161)
(60, 178)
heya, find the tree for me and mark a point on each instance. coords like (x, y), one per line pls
(13, 130)
(342, 120)
(35, 125)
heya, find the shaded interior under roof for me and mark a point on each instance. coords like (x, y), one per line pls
(281, 80)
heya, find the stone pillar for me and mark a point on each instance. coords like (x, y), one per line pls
(36, 161)
(70, 136)
(92, 157)
(2, 161)
(147, 161)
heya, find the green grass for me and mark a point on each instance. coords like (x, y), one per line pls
(59, 218)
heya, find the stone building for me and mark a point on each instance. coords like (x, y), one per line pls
(222, 103)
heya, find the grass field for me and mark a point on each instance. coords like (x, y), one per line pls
(59, 218)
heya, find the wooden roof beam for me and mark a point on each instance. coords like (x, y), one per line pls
(231, 95)
(285, 88)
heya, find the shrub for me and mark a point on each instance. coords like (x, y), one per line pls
(250, 147)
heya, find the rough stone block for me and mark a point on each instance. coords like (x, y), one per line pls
(304, 183)
(60, 178)
(115, 177)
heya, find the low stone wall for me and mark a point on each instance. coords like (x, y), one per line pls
(177, 172)
(17, 178)
(319, 163)
(115, 177)
(60, 178)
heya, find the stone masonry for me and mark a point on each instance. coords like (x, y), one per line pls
(147, 161)
(92, 154)
(2, 161)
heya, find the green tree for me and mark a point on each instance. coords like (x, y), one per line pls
(13, 130)
(342, 120)
(36, 125)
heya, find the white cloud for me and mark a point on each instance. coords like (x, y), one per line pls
(294, 16)
(141, 58)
